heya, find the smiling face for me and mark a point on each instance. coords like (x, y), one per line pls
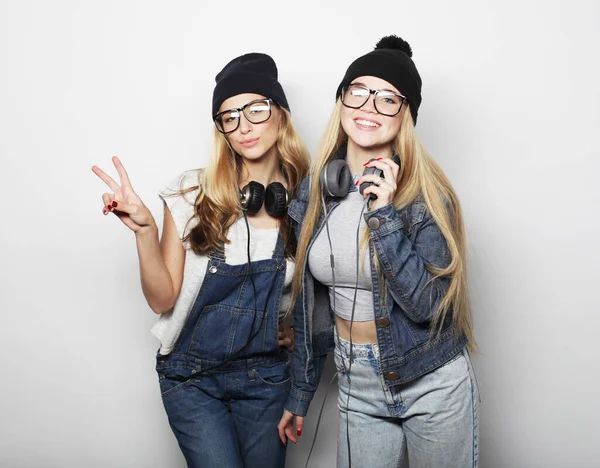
(250, 140)
(366, 127)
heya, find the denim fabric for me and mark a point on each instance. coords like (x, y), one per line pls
(223, 393)
(430, 422)
(405, 242)
(229, 419)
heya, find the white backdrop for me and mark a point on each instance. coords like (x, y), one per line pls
(510, 111)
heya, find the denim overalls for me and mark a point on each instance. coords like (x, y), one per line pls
(224, 405)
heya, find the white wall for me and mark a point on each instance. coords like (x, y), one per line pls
(510, 111)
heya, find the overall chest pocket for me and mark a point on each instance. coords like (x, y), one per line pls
(223, 331)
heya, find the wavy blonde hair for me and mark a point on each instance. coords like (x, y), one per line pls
(218, 202)
(419, 174)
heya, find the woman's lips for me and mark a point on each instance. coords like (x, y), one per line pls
(249, 142)
(367, 125)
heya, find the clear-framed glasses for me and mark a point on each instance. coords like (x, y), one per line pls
(256, 112)
(386, 102)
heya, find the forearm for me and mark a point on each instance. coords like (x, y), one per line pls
(404, 262)
(157, 284)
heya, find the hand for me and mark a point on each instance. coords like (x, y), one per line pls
(286, 427)
(124, 202)
(384, 188)
(286, 336)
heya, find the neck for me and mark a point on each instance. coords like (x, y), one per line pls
(264, 170)
(357, 156)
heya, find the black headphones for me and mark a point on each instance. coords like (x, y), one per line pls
(275, 198)
(335, 178)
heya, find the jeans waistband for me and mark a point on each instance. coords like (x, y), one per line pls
(359, 351)
(199, 366)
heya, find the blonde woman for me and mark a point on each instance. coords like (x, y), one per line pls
(220, 275)
(389, 292)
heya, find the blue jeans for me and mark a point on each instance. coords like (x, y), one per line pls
(229, 419)
(430, 422)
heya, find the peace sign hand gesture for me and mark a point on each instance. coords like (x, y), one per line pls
(124, 202)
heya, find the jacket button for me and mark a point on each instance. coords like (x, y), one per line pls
(391, 375)
(382, 322)
(373, 223)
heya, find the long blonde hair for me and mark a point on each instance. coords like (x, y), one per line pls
(419, 174)
(218, 202)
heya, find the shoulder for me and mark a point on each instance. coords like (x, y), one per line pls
(184, 187)
(184, 181)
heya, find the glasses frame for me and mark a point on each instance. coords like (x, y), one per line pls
(375, 92)
(242, 110)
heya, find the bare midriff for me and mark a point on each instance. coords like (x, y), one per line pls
(362, 332)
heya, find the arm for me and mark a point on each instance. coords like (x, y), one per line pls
(403, 262)
(161, 264)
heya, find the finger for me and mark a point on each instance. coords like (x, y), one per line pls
(290, 433)
(385, 166)
(281, 433)
(123, 207)
(285, 342)
(108, 180)
(299, 425)
(373, 178)
(122, 172)
(108, 200)
(393, 166)
(379, 192)
(378, 163)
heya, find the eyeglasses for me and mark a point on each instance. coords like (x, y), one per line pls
(386, 102)
(256, 112)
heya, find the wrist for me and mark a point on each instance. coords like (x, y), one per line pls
(147, 232)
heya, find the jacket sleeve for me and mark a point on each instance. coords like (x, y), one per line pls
(403, 260)
(306, 372)
(306, 367)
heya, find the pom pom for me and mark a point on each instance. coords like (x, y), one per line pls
(394, 42)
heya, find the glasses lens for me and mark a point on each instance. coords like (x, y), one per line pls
(228, 121)
(355, 96)
(387, 103)
(258, 111)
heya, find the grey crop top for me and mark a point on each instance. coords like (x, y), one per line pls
(343, 222)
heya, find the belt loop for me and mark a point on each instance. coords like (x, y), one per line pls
(251, 372)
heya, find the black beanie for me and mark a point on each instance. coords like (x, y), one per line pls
(250, 73)
(391, 61)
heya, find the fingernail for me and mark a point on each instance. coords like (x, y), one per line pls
(114, 204)
(356, 183)
(299, 432)
(378, 159)
(366, 163)
(104, 212)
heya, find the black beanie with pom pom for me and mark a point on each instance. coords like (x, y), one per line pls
(391, 61)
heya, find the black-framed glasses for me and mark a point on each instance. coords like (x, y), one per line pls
(256, 112)
(386, 102)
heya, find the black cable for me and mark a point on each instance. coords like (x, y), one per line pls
(351, 324)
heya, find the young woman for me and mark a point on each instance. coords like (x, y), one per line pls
(221, 273)
(391, 288)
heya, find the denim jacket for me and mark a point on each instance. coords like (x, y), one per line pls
(404, 241)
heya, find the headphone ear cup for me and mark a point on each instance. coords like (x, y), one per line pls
(335, 178)
(252, 196)
(276, 200)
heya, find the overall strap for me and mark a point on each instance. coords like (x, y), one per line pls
(215, 257)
